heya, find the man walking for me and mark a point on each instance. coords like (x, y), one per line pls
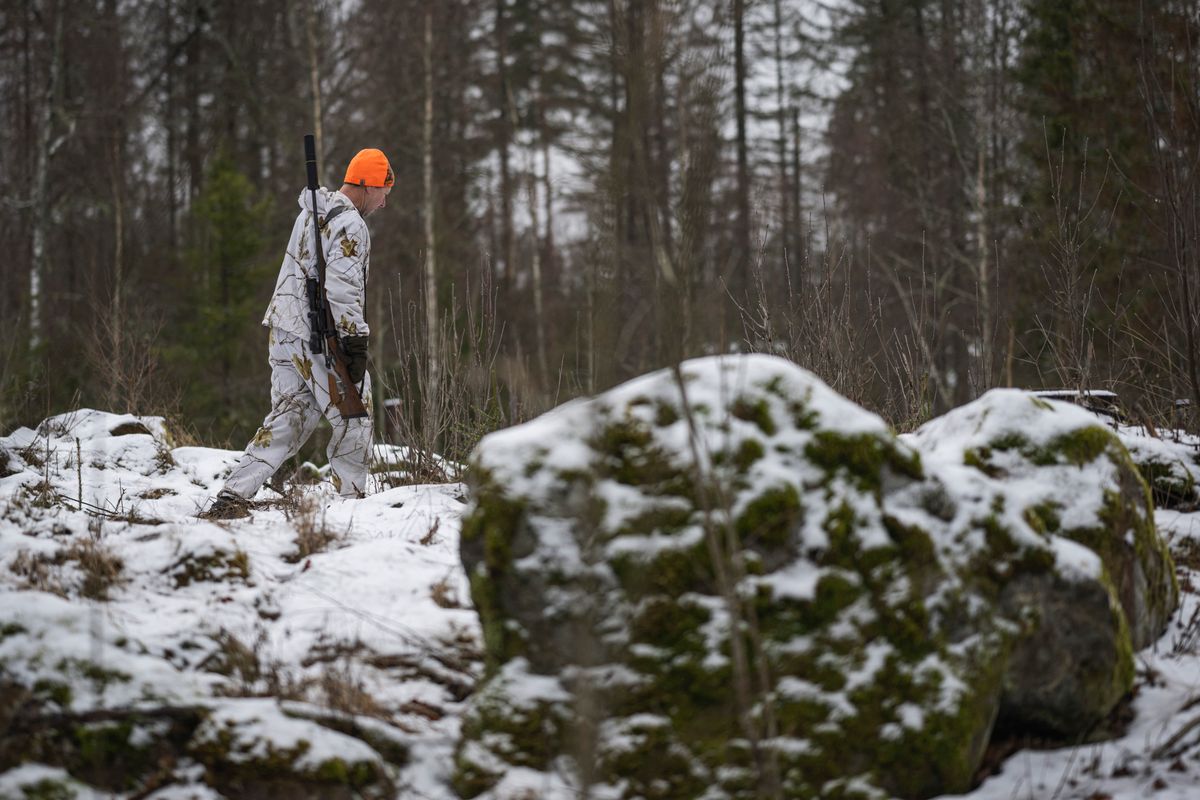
(300, 380)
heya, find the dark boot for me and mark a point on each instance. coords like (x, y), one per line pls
(227, 506)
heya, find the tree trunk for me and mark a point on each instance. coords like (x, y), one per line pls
(800, 246)
(314, 73)
(785, 212)
(503, 143)
(194, 57)
(431, 311)
(741, 279)
(535, 264)
(539, 318)
(40, 216)
(118, 394)
(169, 125)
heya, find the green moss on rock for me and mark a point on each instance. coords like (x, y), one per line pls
(1044, 517)
(500, 638)
(864, 457)
(670, 571)
(55, 691)
(630, 455)
(652, 763)
(9, 629)
(48, 789)
(748, 452)
(1078, 447)
(523, 731)
(771, 519)
(665, 415)
(260, 767)
(106, 754)
(754, 410)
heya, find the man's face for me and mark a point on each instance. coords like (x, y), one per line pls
(376, 199)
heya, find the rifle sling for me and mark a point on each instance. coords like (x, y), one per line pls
(329, 218)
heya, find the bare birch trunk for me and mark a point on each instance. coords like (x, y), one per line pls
(741, 281)
(986, 355)
(781, 113)
(40, 216)
(504, 129)
(118, 393)
(310, 25)
(536, 270)
(168, 123)
(548, 198)
(801, 246)
(431, 314)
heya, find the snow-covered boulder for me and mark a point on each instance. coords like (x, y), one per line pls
(1170, 469)
(1040, 478)
(718, 580)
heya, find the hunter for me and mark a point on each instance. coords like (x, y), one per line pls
(300, 381)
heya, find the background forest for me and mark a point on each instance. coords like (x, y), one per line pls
(916, 199)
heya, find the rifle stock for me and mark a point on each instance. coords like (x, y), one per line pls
(345, 398)
(349, 404)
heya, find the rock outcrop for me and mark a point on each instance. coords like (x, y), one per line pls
(727, 580)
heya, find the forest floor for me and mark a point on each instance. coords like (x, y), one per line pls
(113, 594)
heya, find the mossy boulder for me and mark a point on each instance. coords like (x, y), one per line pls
(727, 580)
(42, 782)
(251, 748)
(1169, 469)
(1081, 567)
(246, 748)
(521, 716)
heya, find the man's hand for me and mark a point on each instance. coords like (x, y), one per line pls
(355, 348)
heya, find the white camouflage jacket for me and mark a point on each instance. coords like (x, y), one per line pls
(347, 246)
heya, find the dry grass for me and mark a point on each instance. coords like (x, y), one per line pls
(313, 535)
(431, 535)
(451, 388)
(341, 690)
(236, 661)
(337, 686)
(37, 572)
(445, 595)
(40, 495)
(102, 569)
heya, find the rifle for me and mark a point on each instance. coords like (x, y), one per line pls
(324, 340)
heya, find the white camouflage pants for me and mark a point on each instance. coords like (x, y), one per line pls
(299, 397)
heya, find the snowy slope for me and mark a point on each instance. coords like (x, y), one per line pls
(374, 625)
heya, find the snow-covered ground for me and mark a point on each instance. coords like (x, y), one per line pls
(114, 595)
(374, 622)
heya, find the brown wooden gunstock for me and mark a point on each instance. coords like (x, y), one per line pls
(348, 403)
